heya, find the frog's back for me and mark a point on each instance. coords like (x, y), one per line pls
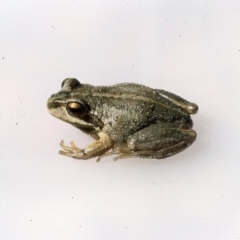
(124, 89)
(138, 93)
(125, 94)
(140, 100)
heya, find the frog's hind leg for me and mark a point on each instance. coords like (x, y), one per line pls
(159, 141)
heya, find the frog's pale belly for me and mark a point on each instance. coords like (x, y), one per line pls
(149, 123)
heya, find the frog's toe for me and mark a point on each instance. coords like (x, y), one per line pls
(72, 148)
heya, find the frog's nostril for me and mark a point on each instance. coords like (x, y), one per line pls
(55, 104)
(51, 105)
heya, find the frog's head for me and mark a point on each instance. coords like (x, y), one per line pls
(69, 106)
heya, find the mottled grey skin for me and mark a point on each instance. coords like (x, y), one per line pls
(139, 121)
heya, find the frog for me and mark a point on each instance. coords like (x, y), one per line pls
(125, 119)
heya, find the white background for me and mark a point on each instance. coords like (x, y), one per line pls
(188, 47)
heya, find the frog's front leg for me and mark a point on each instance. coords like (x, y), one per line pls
(98, 148)
(159, 141)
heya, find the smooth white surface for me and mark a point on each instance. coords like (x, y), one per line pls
(191, 48)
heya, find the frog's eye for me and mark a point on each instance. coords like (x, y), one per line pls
(75, 109)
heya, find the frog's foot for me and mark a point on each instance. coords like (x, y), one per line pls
(97, 149)
(109, 153)
(162, 153)
(71, 151)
